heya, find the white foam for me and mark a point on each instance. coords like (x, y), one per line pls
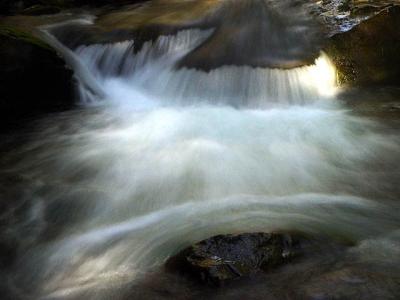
(174, 156)
(153, 71)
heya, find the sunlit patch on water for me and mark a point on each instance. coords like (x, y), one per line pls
(322, 76)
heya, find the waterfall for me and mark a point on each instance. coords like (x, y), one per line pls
(153, 71)
(160, 156)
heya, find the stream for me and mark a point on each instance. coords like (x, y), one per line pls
(157, 157)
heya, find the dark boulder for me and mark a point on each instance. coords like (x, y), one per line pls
(223, 258)
(33, 78)
(369, 53)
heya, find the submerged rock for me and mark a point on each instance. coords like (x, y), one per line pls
(369, 53)
(224, 258)
(33, 77)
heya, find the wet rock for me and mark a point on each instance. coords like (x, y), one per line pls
(342, 15)
(249, 32)
(75, 35)
(33, 78)
(245, 32)
(223, 258)
(369, 53)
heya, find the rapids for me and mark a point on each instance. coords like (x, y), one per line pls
(157, 157)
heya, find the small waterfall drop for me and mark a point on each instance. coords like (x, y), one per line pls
(158, 157)
(153, 71)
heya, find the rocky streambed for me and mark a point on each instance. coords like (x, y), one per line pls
(152, 135)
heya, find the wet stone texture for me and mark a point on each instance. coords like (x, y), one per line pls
(368, 54)
(227, 257)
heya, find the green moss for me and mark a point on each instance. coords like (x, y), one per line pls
(17, 33)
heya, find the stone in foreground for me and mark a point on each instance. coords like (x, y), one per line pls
(226, 257)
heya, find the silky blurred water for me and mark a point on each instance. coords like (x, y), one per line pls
(158, 157)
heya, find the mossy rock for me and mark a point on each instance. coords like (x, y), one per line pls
(15, 33)
(369, 53)
(33, 78)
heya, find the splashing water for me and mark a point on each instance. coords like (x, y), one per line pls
(160, 157)
(153, 72)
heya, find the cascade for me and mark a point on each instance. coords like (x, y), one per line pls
(159, 156)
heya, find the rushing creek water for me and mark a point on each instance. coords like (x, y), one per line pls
(156, 158)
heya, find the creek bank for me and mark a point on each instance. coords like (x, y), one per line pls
(33, 78)
(368, 54)
(223, 258)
